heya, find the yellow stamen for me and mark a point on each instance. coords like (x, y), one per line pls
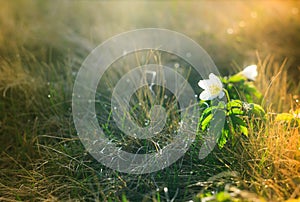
(214, 89)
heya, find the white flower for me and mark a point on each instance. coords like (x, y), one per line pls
(212, 88)
(296, 113)
(250, 72)
(297, 116)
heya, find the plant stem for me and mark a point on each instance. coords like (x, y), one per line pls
(227, 94)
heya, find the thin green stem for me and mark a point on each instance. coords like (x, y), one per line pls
(227, 94)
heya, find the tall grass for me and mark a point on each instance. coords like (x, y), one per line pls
(269, 158)
(41, 157)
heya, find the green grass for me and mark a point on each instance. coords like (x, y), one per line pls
(42, 46)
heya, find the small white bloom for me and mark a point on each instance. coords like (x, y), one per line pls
(297, 116)
(250, 72)
(212, 88)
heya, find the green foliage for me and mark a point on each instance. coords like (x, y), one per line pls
(41, 156)
(124, 199)
(237, 112)
(289, 119)
(222, 196)
(256, 110)
(240, 88)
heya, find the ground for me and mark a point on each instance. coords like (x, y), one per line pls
(44, 43)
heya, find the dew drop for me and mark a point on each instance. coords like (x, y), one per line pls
(180, 124)
(188, 54)
(176, 65)
(49, 96)
(165, 96)
(147, 122)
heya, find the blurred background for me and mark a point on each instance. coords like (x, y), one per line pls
(232, 32)
(42, 47)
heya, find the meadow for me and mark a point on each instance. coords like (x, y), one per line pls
(44, 43)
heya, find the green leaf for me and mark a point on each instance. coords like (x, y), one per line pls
(244, 130)
(221, 105)
(251, 91)
(235, 107)
(205, 113)
(284, 117)
(209, 110)
(257, 110)
(224, 80)
(223, 138)
(236, 111)
(124, 199)
(234, 103)
(237, 120)
(237, 78)
(291, 119)
(229, 86)
(223, 197)
(206, 121)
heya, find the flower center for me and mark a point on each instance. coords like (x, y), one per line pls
(214, 89)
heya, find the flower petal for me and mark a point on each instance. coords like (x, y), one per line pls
(250, 72)
(205, 95)
(203, 83)
(214, 79)
(212, 76)
(221, 94)
(212, 87)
